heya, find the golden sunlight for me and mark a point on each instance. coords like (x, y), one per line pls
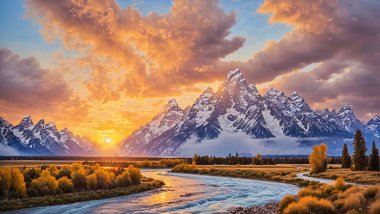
(107, 140)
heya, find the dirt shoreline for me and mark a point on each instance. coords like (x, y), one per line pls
(269, 208)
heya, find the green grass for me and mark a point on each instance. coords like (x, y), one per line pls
(78, 196)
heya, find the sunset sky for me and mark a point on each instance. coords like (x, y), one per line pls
(104, 68)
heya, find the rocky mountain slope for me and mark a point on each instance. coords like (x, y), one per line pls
(238, 107)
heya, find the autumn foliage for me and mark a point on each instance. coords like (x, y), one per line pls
(338, 197)
(318, 158)
(52, 180)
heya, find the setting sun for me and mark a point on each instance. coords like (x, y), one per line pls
(108, 140)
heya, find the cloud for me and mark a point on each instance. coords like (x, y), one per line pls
(239, 142)
(341, 36)
(157, 54)
(25, 85)
(8, 151)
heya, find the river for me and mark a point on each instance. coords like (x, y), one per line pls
(183, 193)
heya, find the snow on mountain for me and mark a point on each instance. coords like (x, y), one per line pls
(41, 139)
(373, 126)
(237, 107)
(167, 118)
(348, 119)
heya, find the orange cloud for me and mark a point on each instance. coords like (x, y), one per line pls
(341, 36)
(156, 54)
(24, 85)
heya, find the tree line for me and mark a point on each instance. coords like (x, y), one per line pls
(163, 163)
(52, 180)
(359, 161)
(242, 160)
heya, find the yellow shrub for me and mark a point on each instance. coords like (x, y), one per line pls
(103, 179)
(340, 184)
(295, 208)
(375, 208)
(91, 182)
(124, 179)
(78, 177)
(65, 185)
(288, 199)
(135, 174)
(352, 190)
(354, 201)
(310, 205)
(45, 184)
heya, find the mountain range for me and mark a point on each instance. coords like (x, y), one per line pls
(238, 107)
(40, 139)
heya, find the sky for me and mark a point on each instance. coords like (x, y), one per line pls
(104, 68)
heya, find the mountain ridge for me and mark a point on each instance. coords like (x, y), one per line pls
(238, 107)
(41, 139)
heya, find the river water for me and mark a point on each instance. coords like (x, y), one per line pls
(183, 193)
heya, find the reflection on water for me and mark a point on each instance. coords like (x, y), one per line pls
(182, 193)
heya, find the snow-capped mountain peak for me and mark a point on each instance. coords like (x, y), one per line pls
(5, 123)
(234, 75)
(42, 139)
(27, 122)
(238, 107)
(171, 103)
(166, 119)
(373, 126)
(345, 109)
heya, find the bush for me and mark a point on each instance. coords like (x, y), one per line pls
(295, 208)
(371, 192)
(91, 182)
(135, 174)
(124, 179)
(103, 179)
(288, 199)
(44, 185)
(65, 185)
(64, 171)
(375, 208)
(340, 184)
(310, 204)
(78, 177)
(354, 201)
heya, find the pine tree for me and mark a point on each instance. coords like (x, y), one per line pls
(374, 159)
(359, 159)
(346, 159)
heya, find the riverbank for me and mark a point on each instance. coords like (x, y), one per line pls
(359, 177)
(29, 202)
(270, 173)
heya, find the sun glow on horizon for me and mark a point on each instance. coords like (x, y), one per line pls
(107, 140)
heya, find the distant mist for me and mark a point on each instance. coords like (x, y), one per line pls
(239, 142)
(8, 151)
(245, 145)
